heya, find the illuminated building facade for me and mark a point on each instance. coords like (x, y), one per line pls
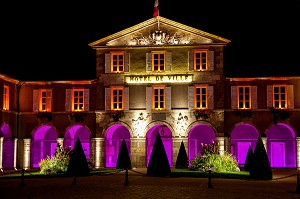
(158, 76)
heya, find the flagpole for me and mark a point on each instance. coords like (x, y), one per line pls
(156, 12)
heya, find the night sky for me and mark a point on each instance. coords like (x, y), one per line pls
(48, 40)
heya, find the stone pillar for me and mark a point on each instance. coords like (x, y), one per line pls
(15, 152)
(96, 150)
(221, 142)
(1, 152)
(26, 158)
(298, 152)
(264, 140)
(60, 141)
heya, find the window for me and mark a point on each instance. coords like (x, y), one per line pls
(200, 95)
(6, 97)
(42, 100)
(158, 61)
(244, 97)
(200, 60)
(117, 98)
(117, 62)
(158, 98)
(78, 100)
(280, 97)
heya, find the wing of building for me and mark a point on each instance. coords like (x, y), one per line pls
(157, 77)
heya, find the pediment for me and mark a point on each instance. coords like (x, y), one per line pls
(159, 31)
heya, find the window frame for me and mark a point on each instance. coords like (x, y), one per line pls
(161, 67)
(6, 97)
(280, 96)
(156, 104)
(117, 60)
(200, 107)
(199, 61)
(118, 102)
(79, 90)
(244, 94)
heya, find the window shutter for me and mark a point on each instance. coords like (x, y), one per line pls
(126, 98)
(149, 61)
(168, 98)
(36, 98)
(211, 61)
(290, 93)
(168, 61)
(107, 99)
(107, 63)
(126, 62)
(234, 103)
(191, 97)
(269, 96)
(191, 60)
(86, 99)
(68, 102)
(148, 98)
(254, 97)
(49, 100)
(211, 97)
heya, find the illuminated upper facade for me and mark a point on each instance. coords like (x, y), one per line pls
(158, 76)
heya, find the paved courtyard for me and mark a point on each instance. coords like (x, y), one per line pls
(284, 185)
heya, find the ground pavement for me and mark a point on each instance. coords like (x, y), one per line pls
(285, 184)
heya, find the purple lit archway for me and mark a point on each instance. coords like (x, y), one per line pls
(166, 136)
(281, 146)
(43, 144)
(113, 140)
(81, 132)
(8, 147)
(243, 136)
(198, 135)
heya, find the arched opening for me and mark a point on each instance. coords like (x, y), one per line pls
(8, 147)
(243, 136)
(166, 136)
(81, 132)
(113, 140)
(281, 146)
(200, 134)
(43, 144)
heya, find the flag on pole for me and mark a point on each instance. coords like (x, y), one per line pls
(155, 10)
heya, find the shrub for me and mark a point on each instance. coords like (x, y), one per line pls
(57, 163)
(123, 161)
(182, 161)
(211, 159)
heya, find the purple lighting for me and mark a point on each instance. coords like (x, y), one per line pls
(113, 140)
(166, 136)
(199, 134)
(281, 145)
(243, 136)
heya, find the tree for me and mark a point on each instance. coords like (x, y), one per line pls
(247, 165)
(123, 161)
(260, 165)
(182, 161)
(158, 164)
(78, 164)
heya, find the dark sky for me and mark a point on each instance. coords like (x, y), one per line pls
(48, 40)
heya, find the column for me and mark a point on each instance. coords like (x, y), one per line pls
(1, 152)
(26, 158)
(298, 152)
(264, 140)
(15, 152)
(97, 152)
(60, 141)
(221, 143)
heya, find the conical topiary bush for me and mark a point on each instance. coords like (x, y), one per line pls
(158, 164)
(123, 161)
(182, 161)
(247, 164)
(260, 168)
(78, 165)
